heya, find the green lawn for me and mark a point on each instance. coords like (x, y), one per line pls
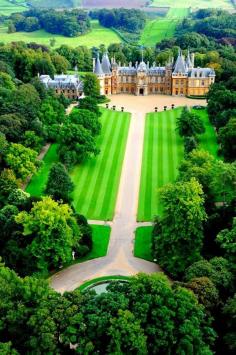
(208, 140)
(101, 237)
(162, 153)
(162, 28)
(102, 279)
(200, 4)
(142, 244)
(98, 35)
(96, 181)
(38, 181)
(7, 8)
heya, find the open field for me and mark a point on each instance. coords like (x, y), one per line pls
(7, 8)
(98, 35)
(162, 153)
(113, 4)
(96, 181)
(38, 182)
(142, 243)
(162, 28)
(200, 4)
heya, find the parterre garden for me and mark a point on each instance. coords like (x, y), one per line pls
(96, 181)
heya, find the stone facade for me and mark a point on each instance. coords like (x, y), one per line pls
(68, 85)
(179, 78)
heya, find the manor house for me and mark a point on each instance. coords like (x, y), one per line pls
(68, 85)
(179, 78)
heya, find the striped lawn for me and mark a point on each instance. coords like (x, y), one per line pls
(38, 182)
(96, 181)
(208, 140)
(162, 153)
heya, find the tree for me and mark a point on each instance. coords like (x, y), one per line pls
(127, 336)
(205, 291)
(87, 119)
(223, 182)
(178, 239)
(53, 230)
(229, 311)
(198, 164)
(216, 269)
(59, 184)
(227, 139)
(21, 160)
(190, 143)
(52, 111)
(6, 81)
(26, 101)
(8, 182)
(189, 124)
(22, 302)
(89, 103)
(33, 141)
(13, 126)
(91, 85)
(227, 240)
(76, 144)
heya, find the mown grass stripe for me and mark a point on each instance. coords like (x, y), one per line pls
(142, 186)
(105, 171)
(159, 182)
(83, 174)
(148, 189)
(156, 157)
(114, 177)
(101, 172)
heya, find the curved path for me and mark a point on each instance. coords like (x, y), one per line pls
(120, 259)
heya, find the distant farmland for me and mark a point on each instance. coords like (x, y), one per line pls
(114, 3)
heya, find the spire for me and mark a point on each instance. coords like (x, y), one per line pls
(106, 65)
(189, 63)
(98, 68)
(180, 66)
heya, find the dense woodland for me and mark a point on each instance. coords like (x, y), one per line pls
(67, 23)
(193, 241)
(130, 20)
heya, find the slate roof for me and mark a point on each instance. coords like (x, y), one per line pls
(62, 82)
(106, 65)
(98, 67)
(180, 65)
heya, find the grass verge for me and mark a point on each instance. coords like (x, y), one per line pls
(143, 242)
(101, 279)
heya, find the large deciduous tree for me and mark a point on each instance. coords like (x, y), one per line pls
(87, 119)
(189, 124)
(227, 139)
(53, 230)
(91, 85)
(76, 144)
(59, 184)
(178, 236)
(21, 160)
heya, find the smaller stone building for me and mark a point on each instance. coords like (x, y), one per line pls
(69, 85)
